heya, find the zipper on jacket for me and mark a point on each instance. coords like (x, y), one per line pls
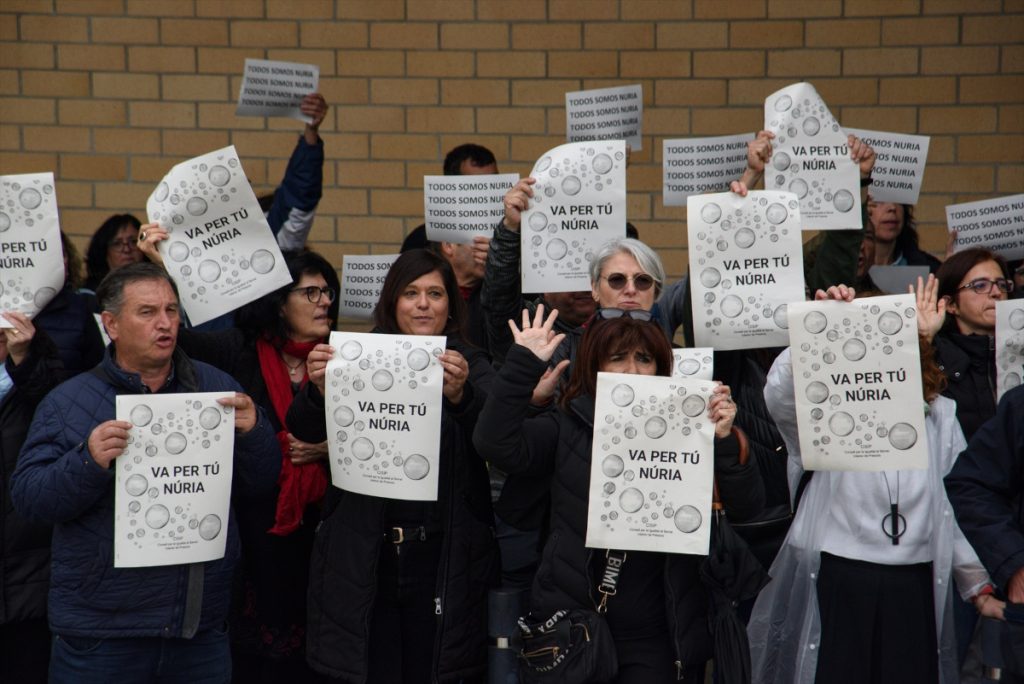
(673, 620)
(442, 576)
(437, 605)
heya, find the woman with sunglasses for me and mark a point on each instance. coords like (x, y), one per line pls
(398, 589)
(658, 617)
(266, 352)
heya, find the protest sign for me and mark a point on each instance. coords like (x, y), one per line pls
(605, 114)
(1009, 345)
(857, 379)
(693, 363)
(747, 259)
(384, 414)
(173, 480)
(362, 276)
(896, 279)
(899, 164)
(995, 224)
(811, 159)
(579, 203)
(272, 88)
(31, 256)
(651, 465)
(220, 252)
(692, 166)
(459, 208)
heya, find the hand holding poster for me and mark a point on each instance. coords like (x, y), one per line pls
(459, 208)
(811, 158)
(899, 164)
(383, 409)
(276, 88)
(362, 276)
(1009, 345)
(747, 259)
(693, 363)
(857, 379)
(652, 465)
(31, 255)
(692, 166)
(173, 480)
(605, 114)
(579, 203)
(995, 224)
(220, 251)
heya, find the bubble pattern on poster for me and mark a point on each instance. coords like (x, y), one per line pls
(628, 497)
(693, 363)
(171, 433)
(406, 364)
(1009, 344)
(809, 119)
(25, 203)
(559, 179)
(854, 419)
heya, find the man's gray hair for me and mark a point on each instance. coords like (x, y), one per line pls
(110, 293)
(647, 258)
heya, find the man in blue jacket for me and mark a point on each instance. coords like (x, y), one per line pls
(132, 624)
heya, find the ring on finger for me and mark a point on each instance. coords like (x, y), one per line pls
(142, 236)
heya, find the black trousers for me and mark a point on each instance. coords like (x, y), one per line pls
(877, 623)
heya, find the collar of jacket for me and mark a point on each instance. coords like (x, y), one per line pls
(583, 407)
(183, 373)
(963, 351)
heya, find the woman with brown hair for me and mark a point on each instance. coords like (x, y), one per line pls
(658, 618)
(846, 603)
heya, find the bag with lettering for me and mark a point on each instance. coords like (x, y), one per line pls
(571, 647)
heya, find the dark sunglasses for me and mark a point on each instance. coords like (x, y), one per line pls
(984, 285)
(611, 314)
(641, 282)
(314, 293)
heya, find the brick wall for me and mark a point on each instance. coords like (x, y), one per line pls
(109, 94)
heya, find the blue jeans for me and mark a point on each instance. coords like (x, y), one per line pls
(205, 658)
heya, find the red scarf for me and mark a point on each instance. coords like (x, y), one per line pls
(300, 485)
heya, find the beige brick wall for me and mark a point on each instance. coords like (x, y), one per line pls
(110, 93)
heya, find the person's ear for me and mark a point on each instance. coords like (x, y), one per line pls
(110, 325)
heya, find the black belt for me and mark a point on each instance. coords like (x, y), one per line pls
(401, 535)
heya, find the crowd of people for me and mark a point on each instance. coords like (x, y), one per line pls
(321, 584)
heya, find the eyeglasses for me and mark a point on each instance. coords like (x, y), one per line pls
(611, 314)
(118, 245)
(314, 293)
(984, 285)
(641, 281)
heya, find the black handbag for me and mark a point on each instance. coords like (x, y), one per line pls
(572, 646)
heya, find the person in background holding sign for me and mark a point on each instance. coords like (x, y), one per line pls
(266, 352)
(856, 596)
(398, 589)
(658, 617)
(163, 623)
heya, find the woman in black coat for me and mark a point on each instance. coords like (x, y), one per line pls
(658, 619)
(398, 589)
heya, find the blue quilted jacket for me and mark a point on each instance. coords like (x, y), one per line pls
(58, 482)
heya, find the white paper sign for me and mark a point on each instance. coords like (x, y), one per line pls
(31, 256)
(899, 164)
(384, 414)
(1009, 345)
(458, 208)
(362, 276)
(605, 114)
(857, 378)
(692, 166)
(221, 252)
(896, 279)
(811, 159)
(995, 224)
(693, 363)
(579, 203)
(272, 88)
(652, 465)
(173, 481)
(748, 261)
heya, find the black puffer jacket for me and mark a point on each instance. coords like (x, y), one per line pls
(343, 576)
(559, 443)
(24, 544)
(969, 363)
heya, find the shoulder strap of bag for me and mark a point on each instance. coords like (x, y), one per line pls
(608, 586)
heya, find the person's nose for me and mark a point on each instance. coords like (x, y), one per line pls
(422, 302)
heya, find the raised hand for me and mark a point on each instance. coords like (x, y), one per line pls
(517, 200)
(547, 384)
(862, 153)
(931, 309)
(722, 410)
(150, 235)
(538, 337)
(759, 151)
(839, 293)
